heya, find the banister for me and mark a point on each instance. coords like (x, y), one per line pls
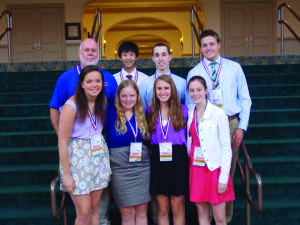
(246, 183)
(63, 207)
(97, 35)
(283, 22)
(195, 32)
(8, 29)
(290, 9)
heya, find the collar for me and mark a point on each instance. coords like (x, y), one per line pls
(207, 62)
(157, 74)
(125, 73)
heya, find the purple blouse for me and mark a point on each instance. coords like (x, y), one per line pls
(175, 137)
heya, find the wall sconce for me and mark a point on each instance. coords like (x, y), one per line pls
(181, 42)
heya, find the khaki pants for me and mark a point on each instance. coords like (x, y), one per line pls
(235, 153)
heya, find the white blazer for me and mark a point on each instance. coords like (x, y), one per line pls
(214, 135)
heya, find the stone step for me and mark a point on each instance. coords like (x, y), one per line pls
(27, 174)
(272, 79)
(25, 97)
(276, 166)
(273, 147)
(10, 124)
(274, 188)
(29, 138)
(273, 130)
(276, 102)
(275, 89)
(22, 86)
(274, 115)
(24, 110)
(30, 76)
(272, 69)
(29, 155)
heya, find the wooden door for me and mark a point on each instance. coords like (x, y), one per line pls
(248, 29)
(38, 33)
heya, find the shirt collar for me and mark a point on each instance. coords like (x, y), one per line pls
(157, 74)
(207, 62)
(125, 73)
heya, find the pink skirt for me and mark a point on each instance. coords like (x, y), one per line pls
(204, 186)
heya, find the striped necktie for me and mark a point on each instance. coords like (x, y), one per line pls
(214, 75)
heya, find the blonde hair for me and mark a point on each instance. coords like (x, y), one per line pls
(138, 110)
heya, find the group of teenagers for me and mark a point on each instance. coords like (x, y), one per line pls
(156, 138)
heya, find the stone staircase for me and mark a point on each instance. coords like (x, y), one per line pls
(29, 155)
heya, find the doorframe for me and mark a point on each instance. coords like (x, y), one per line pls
(274, 20)
(10, 7)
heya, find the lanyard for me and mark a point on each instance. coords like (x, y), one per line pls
(134, 132)
(78, 68)
(165, 134)
(135, 77)
(93, 120)
(215, 83)
(196, 122)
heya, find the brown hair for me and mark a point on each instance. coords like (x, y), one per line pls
(175, 112)
(81, 100)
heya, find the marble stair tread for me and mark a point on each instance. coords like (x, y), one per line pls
(26, 168)
(272, 141)
(29, 149)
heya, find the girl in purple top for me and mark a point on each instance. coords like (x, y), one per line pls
(169, 160)
(83, 154)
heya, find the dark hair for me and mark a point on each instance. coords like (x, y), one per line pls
(128, 46)
(200, 79)
(160, 44)
(81, 99)
(175, 112)
(211, 33)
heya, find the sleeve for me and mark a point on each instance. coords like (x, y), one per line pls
(143, 92)
(225, 144)
(244, 99)
(110, 86)
(59, 96)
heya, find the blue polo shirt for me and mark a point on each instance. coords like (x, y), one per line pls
(66, 86)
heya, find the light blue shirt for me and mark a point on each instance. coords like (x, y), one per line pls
(234, 88)
(146, 88)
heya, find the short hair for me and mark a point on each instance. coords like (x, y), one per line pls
(211, 33)
(128, 46)
(160, 44)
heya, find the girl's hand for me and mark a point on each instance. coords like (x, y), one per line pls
(222, 188)
(68, 183)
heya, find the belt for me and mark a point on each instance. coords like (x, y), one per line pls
(235, 116)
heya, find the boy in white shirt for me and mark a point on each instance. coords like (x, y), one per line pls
(128, 52)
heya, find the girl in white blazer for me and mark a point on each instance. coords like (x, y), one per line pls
(210, 154)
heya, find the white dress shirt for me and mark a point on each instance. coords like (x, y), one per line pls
(214, 136)
(234, 88)
(137, 76)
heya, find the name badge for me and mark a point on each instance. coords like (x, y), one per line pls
(165, 151)
(96, 144)
(198, 159)
(135, 152)
(215, 97)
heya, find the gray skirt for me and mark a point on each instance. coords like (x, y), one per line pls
(130, 181)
